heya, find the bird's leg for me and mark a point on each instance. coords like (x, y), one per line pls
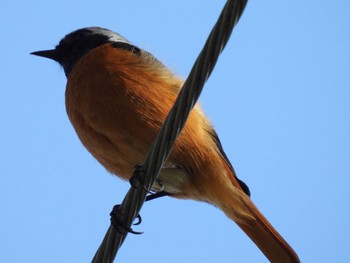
(137, 179)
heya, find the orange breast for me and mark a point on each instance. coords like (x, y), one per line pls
(117, 102)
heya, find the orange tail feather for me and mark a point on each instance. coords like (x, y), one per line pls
(262, 233)
(239, 207)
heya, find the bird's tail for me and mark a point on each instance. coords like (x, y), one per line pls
(239, 207)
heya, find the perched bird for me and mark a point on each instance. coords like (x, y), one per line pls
(117, 97)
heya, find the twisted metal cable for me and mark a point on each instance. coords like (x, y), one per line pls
(161, 148)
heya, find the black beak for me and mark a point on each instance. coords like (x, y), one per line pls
(51, 54)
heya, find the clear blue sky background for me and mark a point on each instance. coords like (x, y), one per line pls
(279, 99)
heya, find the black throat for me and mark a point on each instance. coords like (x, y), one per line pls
(77, 44)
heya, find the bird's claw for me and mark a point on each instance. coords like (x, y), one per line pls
(137, 179)
(115, 222)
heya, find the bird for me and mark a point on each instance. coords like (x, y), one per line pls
(117, 98)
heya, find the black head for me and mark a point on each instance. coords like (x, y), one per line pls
(76, 44)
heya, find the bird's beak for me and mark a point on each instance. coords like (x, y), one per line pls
(51, 54)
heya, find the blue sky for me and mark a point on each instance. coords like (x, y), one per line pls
(279, 99)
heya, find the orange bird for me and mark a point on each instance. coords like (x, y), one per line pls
(117, 98)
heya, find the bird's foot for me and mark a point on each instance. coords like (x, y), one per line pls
(118, 225)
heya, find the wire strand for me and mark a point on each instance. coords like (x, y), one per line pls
(161, 148)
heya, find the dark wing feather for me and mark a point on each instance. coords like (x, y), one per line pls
(216, 139)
